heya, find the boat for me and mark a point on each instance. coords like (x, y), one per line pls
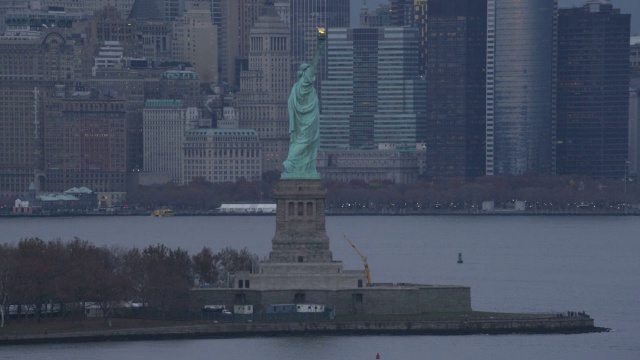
(163, 212)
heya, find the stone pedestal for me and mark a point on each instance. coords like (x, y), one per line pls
(300, 223)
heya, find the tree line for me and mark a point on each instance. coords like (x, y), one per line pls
(558, 193)
(38, 275)
(542, 192)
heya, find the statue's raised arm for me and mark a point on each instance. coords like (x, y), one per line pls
(319, 50)
(304, 116)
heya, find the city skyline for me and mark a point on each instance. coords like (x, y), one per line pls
(379, 98)
(626, 7)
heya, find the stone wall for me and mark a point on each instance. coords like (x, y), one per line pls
(412, 299)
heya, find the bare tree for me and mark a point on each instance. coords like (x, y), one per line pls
(111, 285)
(205, 267)
(169, 274)
(7, 277)
(232, 261)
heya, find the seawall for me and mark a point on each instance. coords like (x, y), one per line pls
(541, 325)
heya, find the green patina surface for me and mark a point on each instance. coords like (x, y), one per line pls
(304, 128)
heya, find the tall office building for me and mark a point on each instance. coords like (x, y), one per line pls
(401, 12)
(635, 56)
(84, 142)
(54, 57)
(165, 123)
(265, 87)
(306, 17)
(420, 20)
(248, 11)
(520, 95)
(379, 17)
(455, 72)
(593, 91)
(224, 14)
(634, 131)
(373, 94)
(195, 40)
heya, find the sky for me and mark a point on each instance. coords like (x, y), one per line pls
(627, 7)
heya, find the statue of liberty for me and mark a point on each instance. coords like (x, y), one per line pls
(304, 116)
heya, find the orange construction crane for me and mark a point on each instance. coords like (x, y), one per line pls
(364, 259)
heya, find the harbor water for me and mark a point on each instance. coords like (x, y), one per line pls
(511, 263)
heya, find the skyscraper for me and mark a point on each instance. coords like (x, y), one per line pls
(85, 142)
(373, 93)
(265, 86)
(164, 125)
(593, 91)
(401, 12)
(54, 57)
(306, 17)
(249, 11)
(195, 40)
(455, 71)
(520, 95)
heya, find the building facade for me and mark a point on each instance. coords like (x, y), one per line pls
(165, 123)
(593, 91)
(265, 87)
(401, 12)
(195, 40)
(54, 57)
(398, 166)
(380, 17)
(373, 93)
(634, 131)
(520, 95)
(84, 142)
(455, 69)
(635, 56)
(221, 155)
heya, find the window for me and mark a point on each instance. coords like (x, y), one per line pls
(240, 283)
(359, 283)
(300, 259)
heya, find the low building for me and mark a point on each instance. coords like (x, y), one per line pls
(247, 209)
(402, 166)
(221, 155)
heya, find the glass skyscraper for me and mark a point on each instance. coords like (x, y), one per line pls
(306, 17)
(455, 69)
(373, 93)
(520, 95)
(593, 91)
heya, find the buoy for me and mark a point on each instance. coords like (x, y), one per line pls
(459, 258)
(378, 356)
